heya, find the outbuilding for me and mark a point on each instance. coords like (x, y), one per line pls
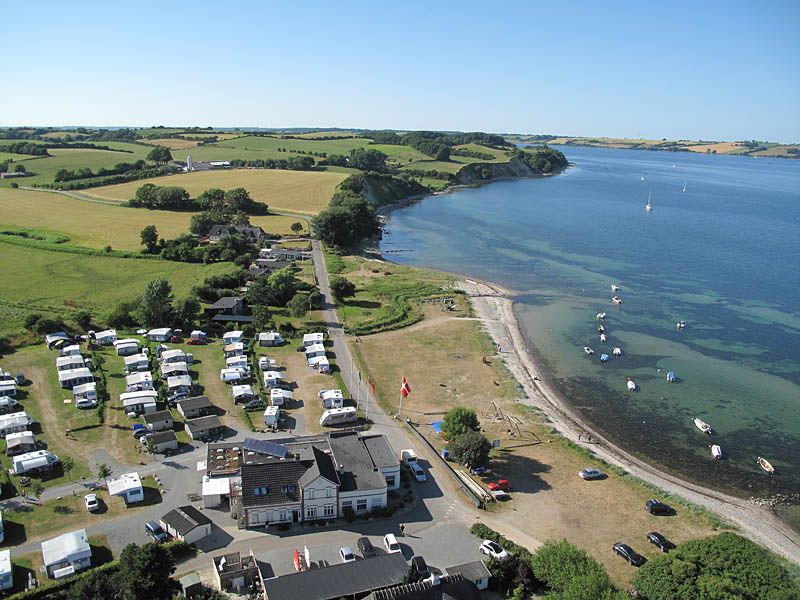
(136, 362)
(475, 571)
(141, 402)
(192, 408)
(38, 461)
(158, 421)
(270, 338)
(20, 442)
(106, 338)
(139, 381)
(216, 490)
(67, 554)
(186, 524)
(127, 346)
(162, 334)
(164, 441)
(127, 486)
(203, 428)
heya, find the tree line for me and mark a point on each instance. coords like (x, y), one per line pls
(348, 219)
(436, 144)
(157, 197)
(63, 175)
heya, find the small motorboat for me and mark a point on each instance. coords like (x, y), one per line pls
(616, 300)
(602, 338)
(614, 287)
(617, 352)
(600, 329)
(702, 425)
(601, 316)
(716, 452)
(649, 205)
(588, 350)
(671, 377)
(765, 464)
(680, 324)
(631, 385)
(604, 358)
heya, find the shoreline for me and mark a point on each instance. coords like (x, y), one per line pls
(493, 305)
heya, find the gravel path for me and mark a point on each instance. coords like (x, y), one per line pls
(495, 308)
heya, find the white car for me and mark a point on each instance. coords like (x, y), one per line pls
(492, 549)
(418, 472)
(91, 502)
(85, 403)
(346, 554)
(391, 544)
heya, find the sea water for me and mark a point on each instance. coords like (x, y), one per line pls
(723, 256)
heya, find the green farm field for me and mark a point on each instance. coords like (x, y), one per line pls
(437, 165)
(254, 148)
(499, 155)
(399, 154)
(44, 281)
(97, 225)
(297, 191)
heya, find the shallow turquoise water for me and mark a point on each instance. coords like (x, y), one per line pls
(724, 257)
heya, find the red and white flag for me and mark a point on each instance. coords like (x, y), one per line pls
(405, 389)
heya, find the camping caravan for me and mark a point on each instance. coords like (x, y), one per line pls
(138, 403)
(237, 362)
(8, 404)
(338, 416)
(270, 338)
(233, 349)
(38, 461)
(14, 422)
(242, 393)
(173, 356)
(233, 337)
(127, 347)
(106, 338)
(231, 375)
(320, 363)
(141, 380)
(66, 363)
(161, 334)
(71, 350)
(136, 362)
(273, 378)
(179, 384)
(8, 388)
(57, 340)
(72, 377)
(85, 391)
(278, 396)
(332, 398)
(21, 442)
(311, 339)
(272, 416)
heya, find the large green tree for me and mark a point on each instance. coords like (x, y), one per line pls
(342, 288)
(470, 448)
(460, 420)
(726, 567)
(155, 306)
(144, 572)
(160, 155)
(348, 219)
(187, 310)
(282, 285)
(149, 237)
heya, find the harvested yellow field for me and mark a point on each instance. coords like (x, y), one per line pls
(720, 147)
(173, 143)
(297, 191)
(99, 225)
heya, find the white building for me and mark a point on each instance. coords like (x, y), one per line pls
(67, 554)
(128, 487)
(186, 524)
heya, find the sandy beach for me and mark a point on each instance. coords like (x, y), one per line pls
(494, 307)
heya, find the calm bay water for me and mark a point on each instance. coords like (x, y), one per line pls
(724, 256)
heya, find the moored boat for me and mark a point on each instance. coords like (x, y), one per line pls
(616, 300)
(702, 425)
(604, 358)
(588, 350)
(765, 464)
(600, 329)
(649, 205)
(631, 385)
(602, 338)
(614, 287)
(601, 315)
(671, 377)
(680, 324)
(617, 352)
(716, 451)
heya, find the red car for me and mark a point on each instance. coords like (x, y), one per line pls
(175, 339)
(195, 342)
(500, 484)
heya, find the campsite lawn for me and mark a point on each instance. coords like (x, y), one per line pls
(43, 281)
(98, 225)
(297, 191)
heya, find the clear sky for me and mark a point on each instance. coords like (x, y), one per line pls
(699, 69)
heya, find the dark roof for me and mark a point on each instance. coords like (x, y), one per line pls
(353, 463)
(195, 402)
(251, 232)
(161, 415)
(472, 570)
(322, 466)
(185, 518)
(380, 451)
(275, 476)
(226, 302)
(265, 447)
(163, 436)
(203, 423)
(339, 580)
(451, 587)
(232, 318)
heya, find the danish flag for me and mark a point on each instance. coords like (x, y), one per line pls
(405, 389)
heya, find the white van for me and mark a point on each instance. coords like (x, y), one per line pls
(408, 456)
(337, 416)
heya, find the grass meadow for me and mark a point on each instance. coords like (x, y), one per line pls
(296, 191)
(98, 225)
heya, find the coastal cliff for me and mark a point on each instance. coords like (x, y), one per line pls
(479, 172)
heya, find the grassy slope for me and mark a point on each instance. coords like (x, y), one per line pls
(299, 191)
(98, 225)
(40, 280)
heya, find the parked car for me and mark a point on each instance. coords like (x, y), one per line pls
(480, 470)
(656, 507)
(493, 549)
(500, 484)
(659, 541)
(154, 530)
(20, 378)
(391, 544)
(629, 554)
(254, 404)
(418, 472)
(588, 474)
(346, 554)
(84, 403)
(366, 547)
(175, 339)
(195, 342)
(140, 432)
(419, 569)
(91, 502)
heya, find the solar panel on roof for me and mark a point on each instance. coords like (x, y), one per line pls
(265, 447)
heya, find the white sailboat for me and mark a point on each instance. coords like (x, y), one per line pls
(631, 385)
(702, 425)
(684, 186)
(642, 176)
(649, 205)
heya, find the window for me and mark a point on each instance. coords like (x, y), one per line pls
(390, 481)
(329, 493)
(361, 504)
(376, 503)
(329, 510)
(310, 494)
(347, 504)
(311, 512)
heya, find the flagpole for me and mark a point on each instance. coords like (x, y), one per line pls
(400, 410)
(366, 412)
(352, 391)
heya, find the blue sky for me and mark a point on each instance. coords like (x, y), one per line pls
(708, 70)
